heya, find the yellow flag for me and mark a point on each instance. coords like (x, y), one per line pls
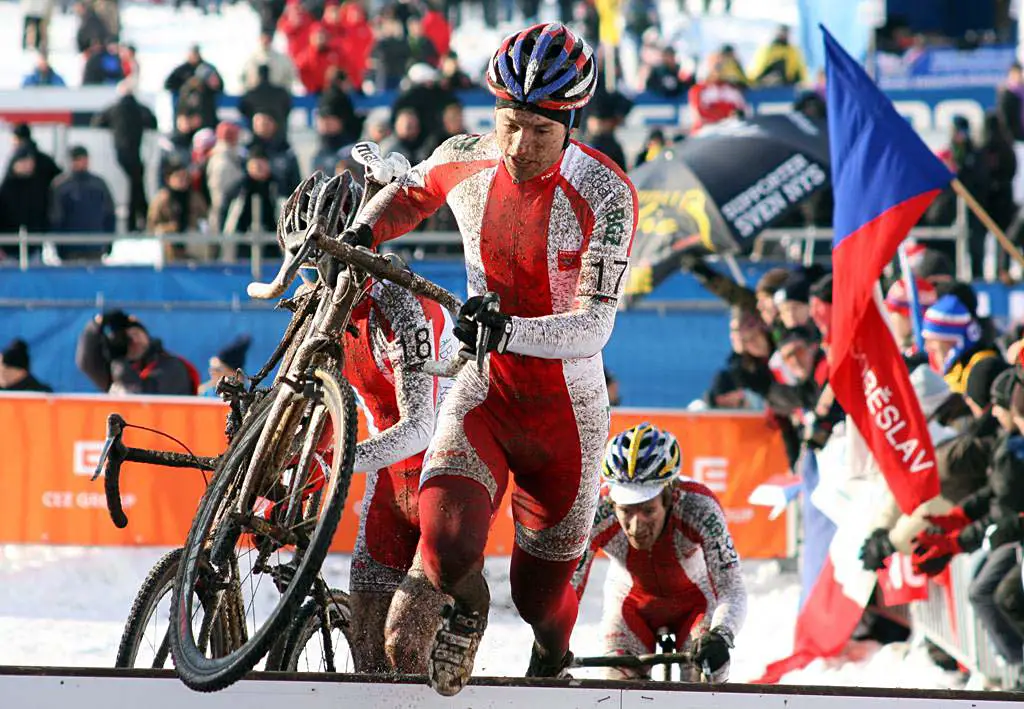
(609, 13)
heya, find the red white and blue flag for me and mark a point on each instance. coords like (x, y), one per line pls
(883, 177)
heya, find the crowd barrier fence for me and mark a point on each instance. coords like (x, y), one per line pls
(52, 443)
(947, 618)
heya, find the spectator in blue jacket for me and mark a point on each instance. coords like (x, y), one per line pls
(81, 205)
(43, 75)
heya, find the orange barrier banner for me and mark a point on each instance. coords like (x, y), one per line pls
(51, 445)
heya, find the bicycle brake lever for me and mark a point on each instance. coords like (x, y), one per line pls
(115, 426)
(490, 302)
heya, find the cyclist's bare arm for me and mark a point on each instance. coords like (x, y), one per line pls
(704, 515)
(584, 330)
(606, 526)
(414, 389)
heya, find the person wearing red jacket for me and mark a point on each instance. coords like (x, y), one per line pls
(296, 24)
(314, 61)
(437, 30)
(714, 100)
(358, 41)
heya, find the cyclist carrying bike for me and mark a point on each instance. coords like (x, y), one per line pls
(390, 335)
(673, 559)
(547, 224)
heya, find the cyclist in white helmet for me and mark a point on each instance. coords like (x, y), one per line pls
(673, 559)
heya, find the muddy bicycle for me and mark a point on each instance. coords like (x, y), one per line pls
(263, 527)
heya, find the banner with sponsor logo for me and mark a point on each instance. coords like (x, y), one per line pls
(944, 67)
(52, 444)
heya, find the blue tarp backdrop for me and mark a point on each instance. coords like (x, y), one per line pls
(662, 358)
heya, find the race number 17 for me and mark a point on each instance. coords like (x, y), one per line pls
(619, 266)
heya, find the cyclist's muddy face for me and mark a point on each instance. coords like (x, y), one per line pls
(529, 143)
(643, 523)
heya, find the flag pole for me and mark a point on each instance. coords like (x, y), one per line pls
(987, 220)
(912, 296)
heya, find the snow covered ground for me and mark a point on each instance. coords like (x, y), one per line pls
(66, 606)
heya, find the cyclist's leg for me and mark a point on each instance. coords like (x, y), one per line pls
(383, 553)
(557, 483)
(625, 633)
(465, 473)
(412, 621)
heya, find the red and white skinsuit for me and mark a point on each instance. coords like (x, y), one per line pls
(555, 248)
(693, 570)
(391, 332)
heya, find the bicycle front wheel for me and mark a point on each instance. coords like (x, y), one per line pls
(265, 550)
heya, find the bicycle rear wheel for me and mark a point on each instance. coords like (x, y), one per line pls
(275, 554)
(145, 641)
(312, 647)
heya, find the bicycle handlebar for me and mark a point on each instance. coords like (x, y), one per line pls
(658, 658)
(115, 452)
(109, 466)
(285, 276)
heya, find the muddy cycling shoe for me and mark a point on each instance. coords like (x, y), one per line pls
(454, 651)
(545, 667)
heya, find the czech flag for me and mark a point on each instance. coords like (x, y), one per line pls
(883, 177)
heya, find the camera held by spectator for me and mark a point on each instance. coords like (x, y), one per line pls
(116, 351)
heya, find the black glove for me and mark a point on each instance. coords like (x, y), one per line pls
(471, 316)
(1006, 531)
(712, 650)
(358, 235)
(816, 432)
(877, 548)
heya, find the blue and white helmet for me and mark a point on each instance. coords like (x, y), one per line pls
(546, 65)
(639, 463)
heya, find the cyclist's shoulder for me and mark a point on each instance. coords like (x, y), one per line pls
(595, 176)
(466, 147)
(693, 502)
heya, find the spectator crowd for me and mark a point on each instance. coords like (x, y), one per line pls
(969, 380)
(229, 176)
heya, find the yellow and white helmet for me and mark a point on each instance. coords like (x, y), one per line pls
(639, 463)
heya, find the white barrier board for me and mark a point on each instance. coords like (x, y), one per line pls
(57, 691)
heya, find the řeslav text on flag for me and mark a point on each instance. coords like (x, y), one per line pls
(884, 177)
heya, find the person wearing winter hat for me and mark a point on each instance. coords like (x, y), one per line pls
(793, 302)
(897, 303)
(225, 363)
(821, 307)
(930, 264)
(14, 369)
(116, 351)
(954, 340)
(978, 391)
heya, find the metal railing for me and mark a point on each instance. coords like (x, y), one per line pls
(955, 232)
(963, 636)
(27, 242)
